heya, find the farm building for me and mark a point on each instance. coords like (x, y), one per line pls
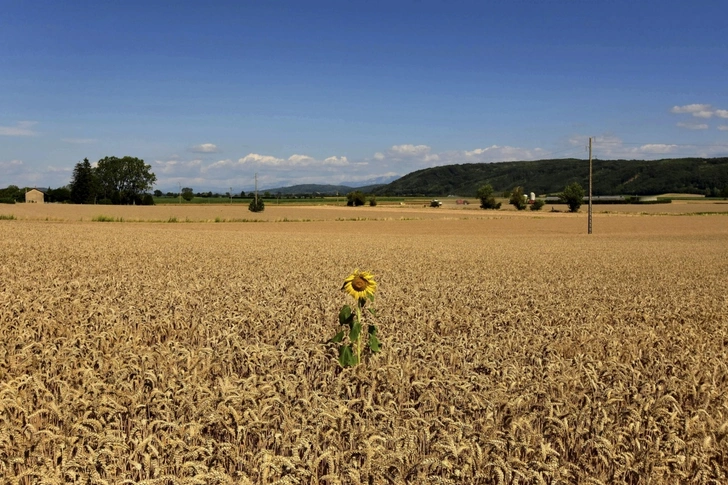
(34, 196)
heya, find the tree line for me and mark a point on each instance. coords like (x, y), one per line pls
(704, 176)
(113, 180)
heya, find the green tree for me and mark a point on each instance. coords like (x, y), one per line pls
(518, 200)
(84, 186)
(187, 194)
(123, 180)
(12, 193)
(158, 193)
(537, 205)
(256, 205)
(61, 194)
(355, 198)
(573, 196)
(487, 201)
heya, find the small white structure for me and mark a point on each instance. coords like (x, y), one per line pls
(34, 196)
(532, 197)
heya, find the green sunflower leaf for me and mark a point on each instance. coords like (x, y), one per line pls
(355, 331)
(371, 297)
(373, 311)
(372, 330)
(337, 338)
(345, 315)
(347, 357)
(374, 343)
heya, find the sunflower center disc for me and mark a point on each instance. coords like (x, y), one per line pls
(359, 284)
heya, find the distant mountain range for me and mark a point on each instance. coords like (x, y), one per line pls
(707, 176)
(321, 189)
(610, 177)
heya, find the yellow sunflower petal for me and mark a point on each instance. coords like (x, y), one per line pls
(360, 284)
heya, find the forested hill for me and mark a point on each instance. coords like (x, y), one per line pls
(611, 177)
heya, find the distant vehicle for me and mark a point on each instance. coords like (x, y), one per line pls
(435, 203)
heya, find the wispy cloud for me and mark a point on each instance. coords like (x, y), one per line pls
(11, 167)
(21, 128)
(79, 141)
(723, 127)
(502, 153)
(390, 163)
(704, 111)
(204, 148)
(295, 160)
(409, 153)
(410, 150)
(613, 147)
(692, 126)
(657, 148)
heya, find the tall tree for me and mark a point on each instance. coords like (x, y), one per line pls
(573, 196)
(83, 183)
(187, 194)
(123, 180)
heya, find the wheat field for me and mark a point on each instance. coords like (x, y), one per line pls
(516, 349)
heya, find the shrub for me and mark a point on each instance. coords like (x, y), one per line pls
(147, 199)
(355, 198)
(537, 205)
(573, 196)
(372, 201)
(256, 205)
(518, 200)
(7, 200)
(487, 201)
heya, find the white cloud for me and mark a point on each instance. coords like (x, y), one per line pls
(336, 161)
(657, 148)
(409, 150)
(611, 147)
(251, 158)
(204, 148)
(691, 108)
(397, 160)
(294, 161)
(693, 126)
(21, 128)
(723, 127)
(704, 111)
(497, 153)
(297, 159)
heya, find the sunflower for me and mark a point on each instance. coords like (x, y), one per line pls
(360, 284)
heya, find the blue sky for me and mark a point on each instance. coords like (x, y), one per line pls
(209, 93)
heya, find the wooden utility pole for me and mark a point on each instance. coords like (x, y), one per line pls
(256, 189)
(590, 185)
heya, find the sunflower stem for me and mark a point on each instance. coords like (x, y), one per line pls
(358, 340)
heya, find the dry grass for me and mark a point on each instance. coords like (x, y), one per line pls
(280, 213)
(516, 350)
